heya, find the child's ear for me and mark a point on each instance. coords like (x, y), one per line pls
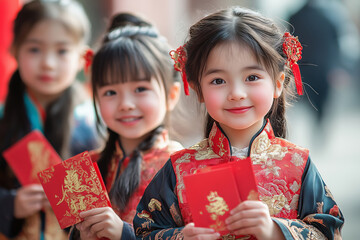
(173, 96)
(279, 85)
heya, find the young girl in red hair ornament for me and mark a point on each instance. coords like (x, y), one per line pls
(242, 67)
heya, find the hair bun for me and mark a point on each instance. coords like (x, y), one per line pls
(127, 19)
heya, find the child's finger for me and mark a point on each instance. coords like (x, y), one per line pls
(92, 212)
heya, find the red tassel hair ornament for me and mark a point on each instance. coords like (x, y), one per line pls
(292, 49)
(88, 56)
(179, 57)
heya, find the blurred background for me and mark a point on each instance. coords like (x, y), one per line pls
(325, 120)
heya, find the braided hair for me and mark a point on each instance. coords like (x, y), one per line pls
(131, 46)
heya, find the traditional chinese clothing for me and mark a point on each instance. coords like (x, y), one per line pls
(288, 182)
(153, 160)
(42, 225)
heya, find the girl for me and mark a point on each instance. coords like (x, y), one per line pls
(134, 85)
(49, 44)
(234, 60)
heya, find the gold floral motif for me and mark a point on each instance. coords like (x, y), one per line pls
(328, 193)
(203, 151)
(47, 174)
(145, 215)
(320, 206)
(295, 202)
(217, 207)
(154, 204)
(297, 159)
(276, 203)
(39, 157)
(73, 185)
(262, 150)
(294, 187)
(176, 215)
(310, 219)
(222, 150)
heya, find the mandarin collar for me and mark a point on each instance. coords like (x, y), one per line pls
(220, 143)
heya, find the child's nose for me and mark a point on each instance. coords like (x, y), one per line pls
(236, 92)
(49, 60)
(126, 103)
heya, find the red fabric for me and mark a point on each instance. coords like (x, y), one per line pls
(30, 155)
(278, 166)
(153, 161)
(8, 11)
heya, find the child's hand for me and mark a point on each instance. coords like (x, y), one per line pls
(253, 218)
(100, 223)
(29, 200)
(192, 232)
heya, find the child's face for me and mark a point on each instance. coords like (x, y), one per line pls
(48, 60)
(237, 91)
(132, 109)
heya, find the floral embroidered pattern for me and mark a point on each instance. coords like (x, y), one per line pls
(275, 203)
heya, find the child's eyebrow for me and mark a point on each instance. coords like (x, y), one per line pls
(217, 70)
(38, 41)
(213, 70)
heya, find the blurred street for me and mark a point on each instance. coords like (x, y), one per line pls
(335, 151)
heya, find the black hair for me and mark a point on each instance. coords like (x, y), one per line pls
(258, 33)
(131, 46)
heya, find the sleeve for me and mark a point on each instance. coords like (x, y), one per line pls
(158, 215)
(128, 232)
(319, 217)
(9, 226)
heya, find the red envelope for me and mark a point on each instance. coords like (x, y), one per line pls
(215, 190)
(73, 186)
(211, 195)
(30, 155)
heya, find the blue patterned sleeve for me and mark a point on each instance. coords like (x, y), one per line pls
(158, 215)
(319, 217)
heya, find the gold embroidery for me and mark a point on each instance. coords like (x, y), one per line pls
(39, 157)
(176, 215)
(145, 215)
(310, 219)
(294, 187)
(203, 151)
(222, 150)
(275, 203)
(328, 193)
(262, 150)
(154, 204)
(320, 206)
(295, 202)
(216, 208)
(297, 159)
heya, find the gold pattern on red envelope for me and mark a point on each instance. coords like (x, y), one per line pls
(30, 155)
(74, 186)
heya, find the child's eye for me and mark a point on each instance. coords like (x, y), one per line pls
(34, 49)
(62, 51)
(109, 93)
(140, 89)
(218, 81)
(252, 78)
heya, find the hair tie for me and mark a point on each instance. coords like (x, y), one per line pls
(179, 57)
(292, 49)
(89, 55)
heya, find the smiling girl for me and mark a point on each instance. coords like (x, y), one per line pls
(49, 43)
(237, 62)
(134, 87)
